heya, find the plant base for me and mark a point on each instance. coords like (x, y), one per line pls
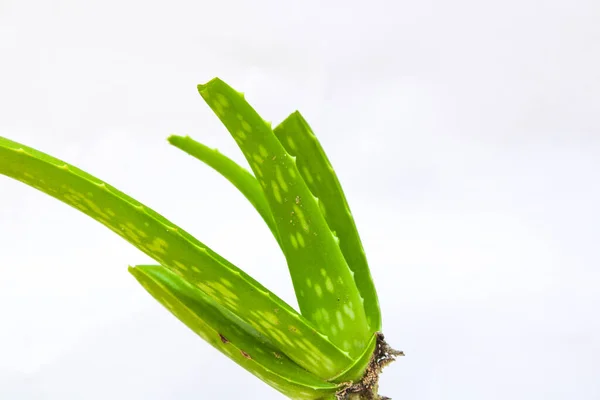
(367, 387)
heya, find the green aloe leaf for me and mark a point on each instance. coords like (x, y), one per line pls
(297, 137)
(240, 177)
(230, 335)
(249, 186)
(178, 251)
(299, 140)
(323, 282)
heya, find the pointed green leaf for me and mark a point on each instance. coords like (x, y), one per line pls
(249, 186)
(299, 140)
(243, 180)
(327, 188)
(324, 285)
(230, 335)
(179, 252)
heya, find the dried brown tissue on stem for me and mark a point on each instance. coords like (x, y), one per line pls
(367, 387)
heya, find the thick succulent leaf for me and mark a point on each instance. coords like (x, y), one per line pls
(327, 188)
(179, 252)
(249, 186)
(241, 178)
(324, 284)
(230, 335)
(299, 140)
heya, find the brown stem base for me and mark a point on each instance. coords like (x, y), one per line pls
(367, 387)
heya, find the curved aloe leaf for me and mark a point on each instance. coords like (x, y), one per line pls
(299, 140)
(297, 137)
(230, 335)
(323, 282)
(241, 178)
(179, 252)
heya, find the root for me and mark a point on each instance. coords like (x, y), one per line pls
(367, 387)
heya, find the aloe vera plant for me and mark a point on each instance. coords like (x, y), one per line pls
(333, 348)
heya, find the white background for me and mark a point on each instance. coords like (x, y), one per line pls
(466, 135)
